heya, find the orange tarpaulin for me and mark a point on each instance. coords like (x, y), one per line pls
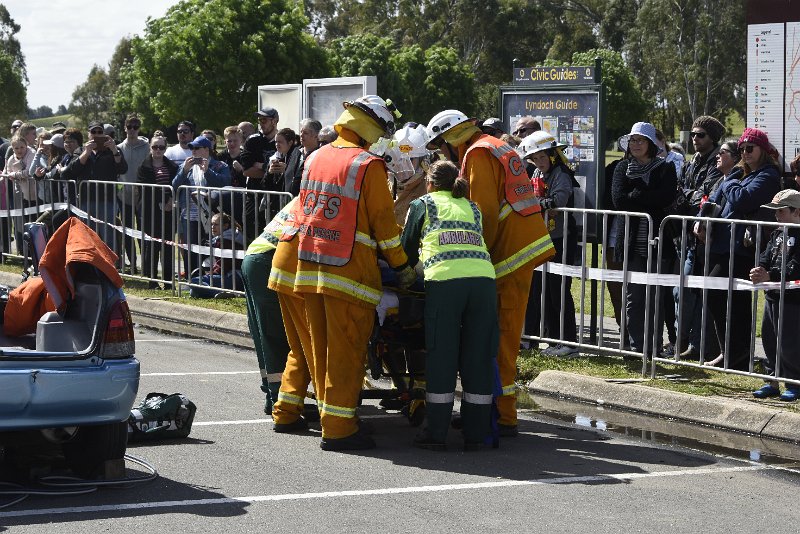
(72, 243)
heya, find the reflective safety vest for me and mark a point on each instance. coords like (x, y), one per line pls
(519, 195)
(325, 215)
(270, 237)
(452, 239)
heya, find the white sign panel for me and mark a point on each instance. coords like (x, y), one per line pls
(765, 75)
(792, 106)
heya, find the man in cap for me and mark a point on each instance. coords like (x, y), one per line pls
(102, 161)
(58, 128)
(493, 126)
(513, 230)
(343, 216)
(258, 148)
(772, 267)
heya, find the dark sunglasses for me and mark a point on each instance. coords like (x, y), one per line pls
(133, 126)
(699, 135)
(521, 130)
(98, 131)
(183, 131)
(158, 147)
(746, 148)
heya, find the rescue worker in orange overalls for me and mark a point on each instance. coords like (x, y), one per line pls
(343, 217)
(513, 230)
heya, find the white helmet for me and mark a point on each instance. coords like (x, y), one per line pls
(383, 112)
(443, 121)
(537, 142)
(412, 141)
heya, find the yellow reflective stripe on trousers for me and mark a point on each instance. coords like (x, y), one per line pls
(288, 398)
(338, 411)
(364, 239)
(514, 262)
(339, 283)
(440, 398)
(476, 398)
(509, 390)
(281, 277)
(505, 211)
(389, 243)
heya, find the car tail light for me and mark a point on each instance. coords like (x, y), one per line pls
(118, 341)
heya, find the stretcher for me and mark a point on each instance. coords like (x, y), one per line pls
(396, 350)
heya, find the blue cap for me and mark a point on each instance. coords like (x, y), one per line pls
(201, 142)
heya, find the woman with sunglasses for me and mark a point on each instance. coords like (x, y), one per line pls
(740, 198)
(157, 214)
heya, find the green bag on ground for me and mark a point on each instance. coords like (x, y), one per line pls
(161, 416)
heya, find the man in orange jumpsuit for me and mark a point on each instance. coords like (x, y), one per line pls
(513, 230)
(343, 217)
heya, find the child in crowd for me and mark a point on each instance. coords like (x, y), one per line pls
(225, 272)
(771, 269)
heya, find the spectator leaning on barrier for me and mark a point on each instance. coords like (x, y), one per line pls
(57, 153)
(513, 230)
(16, 171)
(232, 155)
(643, 182)
(553, 182)
(39, 165)
(98, 162)
(199, 170)
(740, 199)
(157, 212)
(786, 205)
(285, 166)
(135, 149)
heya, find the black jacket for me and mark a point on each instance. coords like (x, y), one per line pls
(100, 166)
(636, 195)
(770, 260)
(147, 175)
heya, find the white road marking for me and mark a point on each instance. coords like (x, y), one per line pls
(137, 507)
(241, 422)
(205, 373)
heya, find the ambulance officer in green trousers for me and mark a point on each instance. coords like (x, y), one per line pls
(443, 230)
(263, 310)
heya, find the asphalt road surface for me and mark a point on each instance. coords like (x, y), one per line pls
(234, 474)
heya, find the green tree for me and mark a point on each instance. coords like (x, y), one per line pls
(91, 100)
(13, 101)
(624, 101)
(686, 58)
(421, 82)
(10, 45)
(206, 59)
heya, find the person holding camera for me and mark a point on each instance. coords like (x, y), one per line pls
(201, 169)
(100, 161)
(285, 166)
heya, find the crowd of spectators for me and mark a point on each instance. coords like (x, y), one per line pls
(38, 164)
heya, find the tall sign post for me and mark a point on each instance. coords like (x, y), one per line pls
(569, 104)
(773, 72)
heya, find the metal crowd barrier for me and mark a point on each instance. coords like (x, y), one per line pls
(606, 273)
(730, 284)
(51, 195)
(660, 276)
(211, 258)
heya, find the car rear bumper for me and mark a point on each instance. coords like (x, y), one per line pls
(79, 393)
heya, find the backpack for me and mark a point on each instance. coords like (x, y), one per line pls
(161, 416)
